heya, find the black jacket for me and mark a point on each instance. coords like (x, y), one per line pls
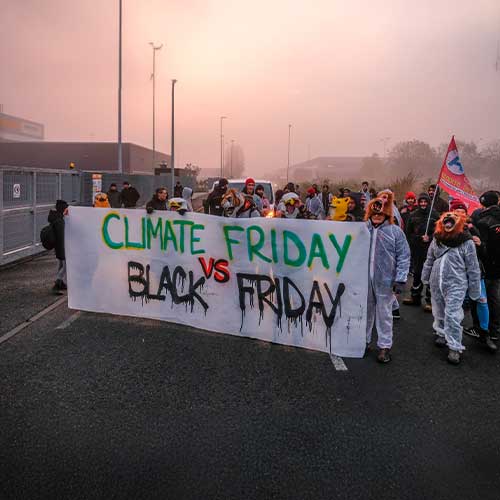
(178, 191)
(417, 222)
(214, 200)
(440, 206)
(56, 219)
(129, 197)
(489, 227)
(155, 204)
(357, 214)
(114, 198)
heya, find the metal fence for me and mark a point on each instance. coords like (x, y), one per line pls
(28, 194)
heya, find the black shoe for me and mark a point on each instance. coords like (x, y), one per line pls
(472, 332)
(63, 286)
(494, 336)
(384, 356)
(396, 314)
(439, 341)
(453, 357)
(57, 288)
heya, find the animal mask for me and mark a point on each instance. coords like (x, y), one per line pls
(176, 204)
(380, 206)
(234, 203)
(292, 205)
(449, 225)
(101, 201)
(338, 209)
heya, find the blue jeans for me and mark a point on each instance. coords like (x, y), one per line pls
(480, 310)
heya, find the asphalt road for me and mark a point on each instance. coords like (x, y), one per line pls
(113, 407)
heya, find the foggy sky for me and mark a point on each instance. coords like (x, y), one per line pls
(345, 73)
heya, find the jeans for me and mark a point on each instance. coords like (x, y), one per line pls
(61, 271)
(480, 311)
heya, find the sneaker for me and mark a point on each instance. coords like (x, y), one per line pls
(494, 336)
(411, 301)
(396, 314)
(57, 288)
(428, 308)
(439, 341)
(384, 356)
(490, 345)
(453, 357)
(472, 332)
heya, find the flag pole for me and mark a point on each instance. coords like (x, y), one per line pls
(436, 193)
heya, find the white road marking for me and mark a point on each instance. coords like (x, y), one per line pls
(31, 320)
(338, 363)
(70, 320)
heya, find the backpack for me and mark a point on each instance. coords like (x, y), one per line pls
(48, 237)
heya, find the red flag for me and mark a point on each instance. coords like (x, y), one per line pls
(453, 180)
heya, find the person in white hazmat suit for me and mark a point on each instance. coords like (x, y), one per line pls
(388, 271)
(451, 268)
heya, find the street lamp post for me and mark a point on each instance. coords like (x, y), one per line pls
(120, 155)
(222, 147)
(153, 77)
(288, 163)
(232, 144)
(172, 143)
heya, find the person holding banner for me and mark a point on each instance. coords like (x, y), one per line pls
(388, 271)
(159, 201)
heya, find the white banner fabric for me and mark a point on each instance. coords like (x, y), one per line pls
(296, 282)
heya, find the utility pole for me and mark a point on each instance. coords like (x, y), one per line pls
(288, 163)
(222, 147)
(232, 144)
(120, 155)
(172, 143)
(153, 77)
(384, 141)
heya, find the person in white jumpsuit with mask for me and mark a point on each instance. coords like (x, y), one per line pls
(451, 268)
(388, 271)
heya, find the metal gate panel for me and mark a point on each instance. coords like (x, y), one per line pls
(17, 229)
(47, 187)
(17, 189)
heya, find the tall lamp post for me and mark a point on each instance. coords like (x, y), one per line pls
(232, 144)
(153, 77)
(222, 146)
(120, 155)
(288, 163)
(172, 143)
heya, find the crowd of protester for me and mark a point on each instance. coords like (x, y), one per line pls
(451, 256)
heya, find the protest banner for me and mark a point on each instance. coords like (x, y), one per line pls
(295, 282)
(453, 180)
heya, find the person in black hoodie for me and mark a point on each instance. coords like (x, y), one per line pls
(114, 196)
(488, 224)
(419, 237)
(56, 220)
(129, 195)
(213, 202)
(355, 212)
(159, 201)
